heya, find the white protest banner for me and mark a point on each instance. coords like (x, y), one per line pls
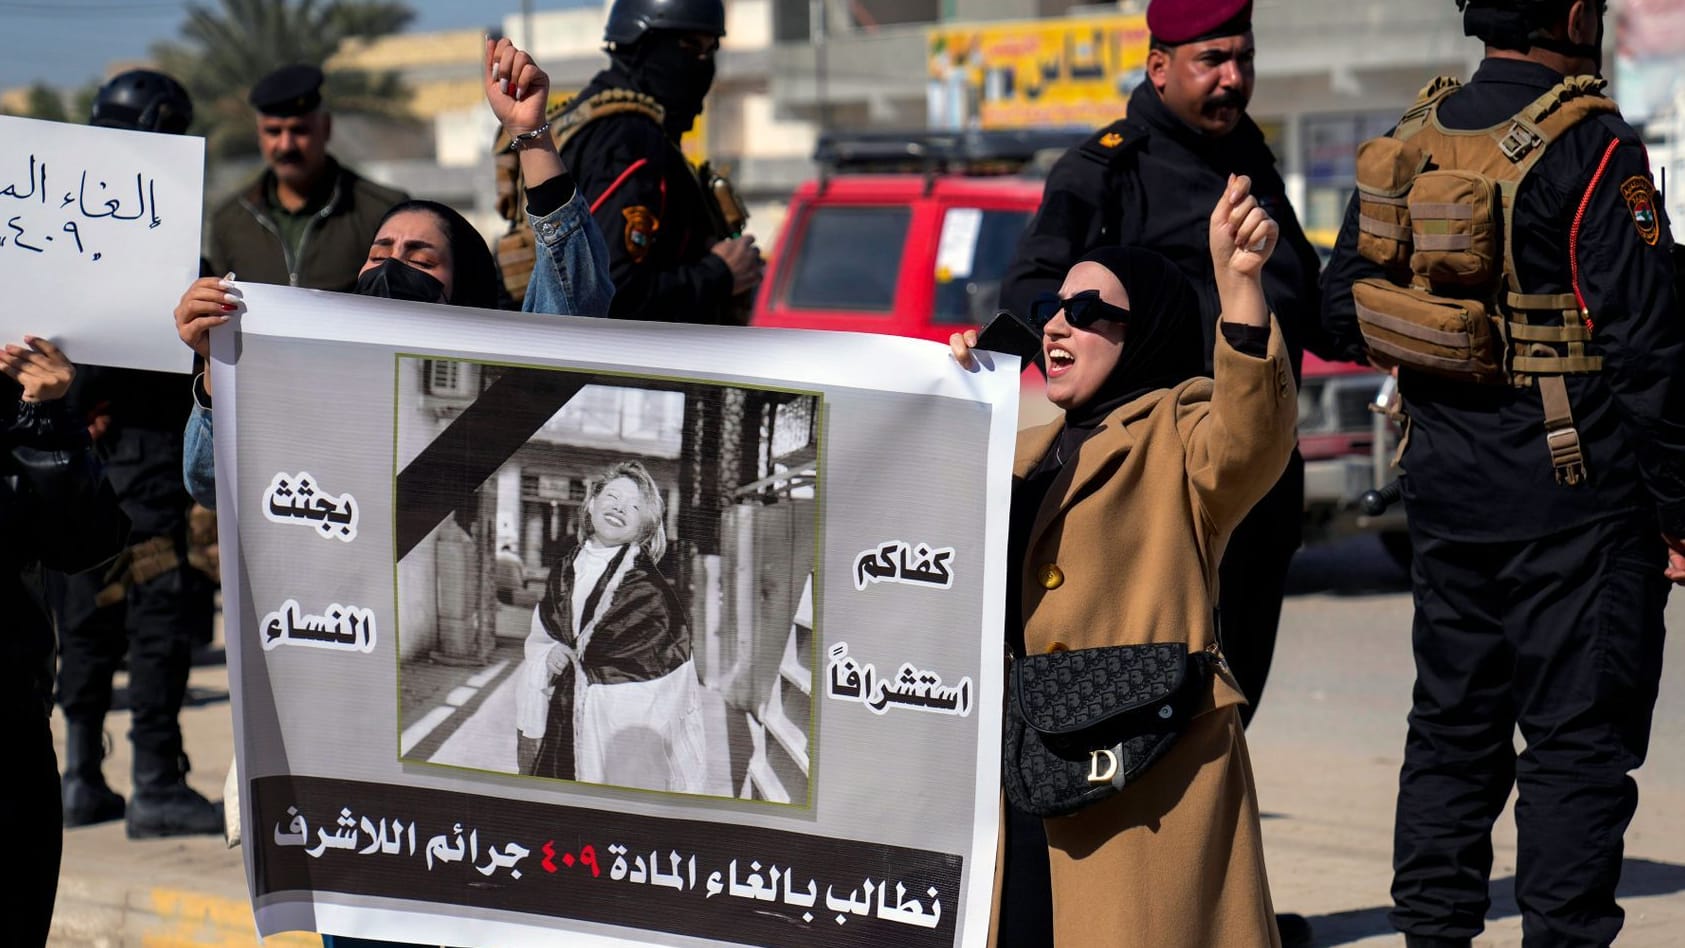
(553, 630)
(99, 236)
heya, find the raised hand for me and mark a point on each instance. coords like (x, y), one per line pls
(40, 367)
(1243, 235)
(516, 89)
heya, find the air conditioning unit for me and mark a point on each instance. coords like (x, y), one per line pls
(450, 379)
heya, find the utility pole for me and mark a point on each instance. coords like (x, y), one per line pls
(817, 31)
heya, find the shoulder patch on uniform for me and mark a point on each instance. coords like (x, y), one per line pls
(1111, 140)
(641, 226)
(1640, 197)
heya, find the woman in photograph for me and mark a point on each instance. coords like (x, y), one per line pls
(1120, 514)
(608, 691)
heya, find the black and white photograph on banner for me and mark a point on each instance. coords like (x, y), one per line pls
(606, 579)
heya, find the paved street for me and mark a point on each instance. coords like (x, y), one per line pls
(1325, 746)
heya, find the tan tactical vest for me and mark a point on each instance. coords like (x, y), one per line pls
(517, 249)
(1436, 210)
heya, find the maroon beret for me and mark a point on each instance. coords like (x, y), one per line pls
(1174, 22)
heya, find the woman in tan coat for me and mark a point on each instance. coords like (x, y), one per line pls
(1120, 514)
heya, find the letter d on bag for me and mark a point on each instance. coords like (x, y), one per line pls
(1094, 773)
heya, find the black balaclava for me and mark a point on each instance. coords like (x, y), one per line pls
(1163, 345)
(657, 65)
(475, 278)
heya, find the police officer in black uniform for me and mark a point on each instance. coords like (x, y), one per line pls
(665, 259)
(155, 607)
(1539, 597)
(1150, 180)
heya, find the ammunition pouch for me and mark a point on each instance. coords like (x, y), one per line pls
(1454, 230)
(141, 563)
(1387, 167)
(1407, 326)
(202, 551)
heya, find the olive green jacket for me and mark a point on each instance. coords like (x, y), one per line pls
(246, 242)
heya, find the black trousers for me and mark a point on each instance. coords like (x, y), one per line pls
(30, 793)
(155, 627)
(1253, 577)
(1561, 637)
(158, 621)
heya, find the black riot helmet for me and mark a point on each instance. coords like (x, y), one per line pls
(629, 20)
(1522, 24)
(143, 100)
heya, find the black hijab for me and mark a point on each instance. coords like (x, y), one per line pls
(475, 277)
(1163, 345)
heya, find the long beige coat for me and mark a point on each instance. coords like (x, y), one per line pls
(1124, 550)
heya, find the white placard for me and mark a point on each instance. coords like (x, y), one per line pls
(99, 237)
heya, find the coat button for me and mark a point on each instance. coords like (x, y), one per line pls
(1052, 577)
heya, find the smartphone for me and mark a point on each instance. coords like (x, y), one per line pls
(1007, 333)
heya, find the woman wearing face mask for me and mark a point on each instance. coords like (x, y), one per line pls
(424, 251)
(608, 692)
(1120, 513)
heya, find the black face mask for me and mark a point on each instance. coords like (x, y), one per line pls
(660, 66)
(397, 280)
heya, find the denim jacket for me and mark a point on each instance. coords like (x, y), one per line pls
(570, 278)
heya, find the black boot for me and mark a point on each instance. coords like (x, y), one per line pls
(87, 799)
(164, 805)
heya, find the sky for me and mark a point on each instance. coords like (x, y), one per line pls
(67, 43)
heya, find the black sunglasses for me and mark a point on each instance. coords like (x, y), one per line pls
(1081, 310)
